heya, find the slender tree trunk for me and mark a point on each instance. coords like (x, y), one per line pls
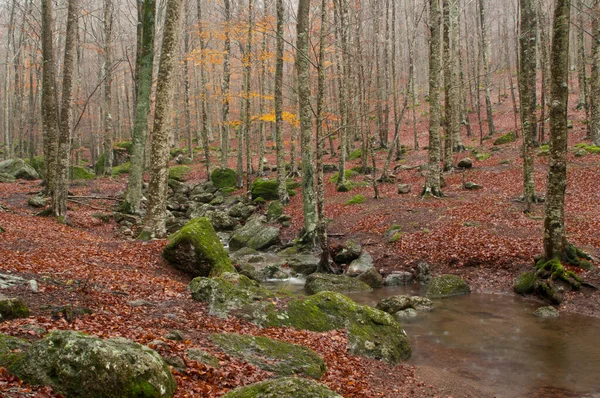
(595, 76)
(527, 82)
(155, 220)
(554, 223)
(432, 185)
(7, 119)
(59, 197)
(583, 101)
(263, 75)
(278, 99)
(107, 76)
(303, 70)
(133, 196)
(247, 89)
(186, 85)
(485, 55)
(225, 87)
(448, 88)
(204, 120)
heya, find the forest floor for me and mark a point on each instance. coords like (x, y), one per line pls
(484, 236)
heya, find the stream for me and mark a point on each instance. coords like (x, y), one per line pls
(495, 344)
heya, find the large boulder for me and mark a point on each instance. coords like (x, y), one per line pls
(78, 365)
(286, 387)
(12, 308)
(18, 169)
(447, 286)
(525, 283)
(361, 265)
(350, 252)
(226, 293)
(371, 332)
(281, 358)
(316, 283)
(265, 188)
(223, 178)
(221, 221)
(11, 349)
(5, 177)
(255, 235)
(303, 263)
(197, 250)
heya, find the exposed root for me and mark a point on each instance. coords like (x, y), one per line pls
(557, 271)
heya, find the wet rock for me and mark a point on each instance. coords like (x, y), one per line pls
(393, 304)
(288, 387)
(447, 286)
(304, 264)
(197, 250)
(350, 251)
(399, 278)
(525, 283)
(361, 265)
(406, 314)
(254, 234)
(548, 312)
(281, 358)
(73, 364)
(316, 283)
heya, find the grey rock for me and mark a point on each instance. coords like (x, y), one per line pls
(18, 169)
(316, 283)
(548, 312)
(198, 355)
(350, 251)
(465, 163)
(404, 189)
(399, 278)
(361, 265)
(254, 234)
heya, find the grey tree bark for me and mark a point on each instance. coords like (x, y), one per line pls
(107, 76)
(278, 99)
(595, 77)
(485, 57)
(225, 87)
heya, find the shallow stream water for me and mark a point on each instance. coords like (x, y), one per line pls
(495, 344)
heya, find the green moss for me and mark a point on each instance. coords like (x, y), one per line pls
(37, 163)
(99, 166)
(275, 356)
(81, 173)
(121, 169)
(347, 175)
(558, 272)
(179, 172)
(506, 138)
(208, 257)
(356, 199)
(176, 152)
(288, 387)
(525, 283)
(483, 156)
(274, 210)
(12, 308)
(356, 154)
(126, 145)
(334, 283)
(265, 188)
(447, 286)
(11, 349)
(223, 178)
(593, 149)
(345, 187)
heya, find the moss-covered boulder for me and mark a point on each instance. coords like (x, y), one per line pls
(12, 308)
(265, 188)
(506, 139)
(525, 283)
(11, 349)
(19, 169)
(372, 278)
(81, 173)
(199, 355)
(447, 286)
(350, 251)
(255, 235)
(78, 365)
(316, 283)
(547, 312)
(371, 332)
(287, 387)
(223, 178)
(281, 358)
(179, 173)
(227, 292)
(197, 250)
(37, 201)
(274, 210)
(7, 178)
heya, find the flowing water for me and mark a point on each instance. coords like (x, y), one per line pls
(494, 343)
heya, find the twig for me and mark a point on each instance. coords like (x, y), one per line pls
(88, 205)
(94, 197)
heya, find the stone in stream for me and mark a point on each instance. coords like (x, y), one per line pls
(399, 278)
(197, 250)
(394, 304)
(78, 365)
(447, 286)
(547, 312)
(350, 252)
(316, 283)
(287, 387)
(281, 358)
(255, 235)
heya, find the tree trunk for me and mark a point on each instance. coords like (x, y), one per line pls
(204, 120)
(432, 185)
(554, 222)
(486, 67)
(595, 76)
(303, 70)
(527, 84)
(583, 101)
(186, 85)
(247, 89)
(107, 76)
(225, 88)
(154, 222)
(278, 99)
(133, 195)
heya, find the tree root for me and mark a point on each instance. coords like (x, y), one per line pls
(557, 271)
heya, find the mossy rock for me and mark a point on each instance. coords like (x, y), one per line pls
(12, 308)
(268, 188)
(547, 312)
(19, 169)
(255, 235)
(223, 178)
(356, 199)
(593, 149)
(198, 355)
(6, 178)
(393, 304)
(316, 283)
(125, 145)
(121, 169)
(99, 166)
(447, 286)
(355, 154)
(281, 358)
(179, 173)
(11, 349)
(197, 250)
(371, 333)
(350, 251)
(37, 162)
(81, 173)
(227, 292)
(274, 210)
(525, 283)
(506, 139)
(347, 175)
(287, 387)
(78, 365)
(37, 201)
(344, 187)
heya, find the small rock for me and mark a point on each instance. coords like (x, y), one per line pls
(175, 335)
(404, 189)
(141, 303)
(175, 361)
(471, 186)
(398, 278)
(548, 312)
(465, 163)
(406, 314)
(37, 201)
(361, 265)
(33, 285)
(198, 355)
(12, 308)
(447, 286)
